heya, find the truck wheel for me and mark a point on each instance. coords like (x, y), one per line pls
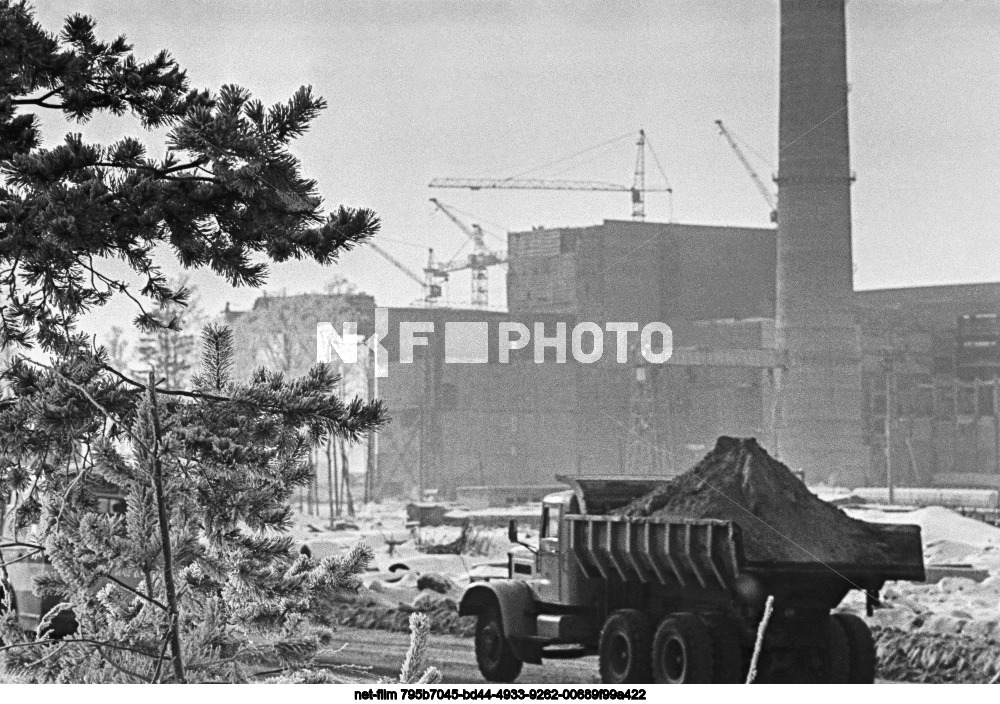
(623, 651)
(493, 654)
(682, 651)
(861, 647)
(836, 667)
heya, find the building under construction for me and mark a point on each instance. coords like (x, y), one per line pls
(770, 339)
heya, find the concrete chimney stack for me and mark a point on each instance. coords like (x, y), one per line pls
(819, 422)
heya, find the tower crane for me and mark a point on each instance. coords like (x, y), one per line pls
(430, 283)
(478, 261)
(768, 195)
(637, 189)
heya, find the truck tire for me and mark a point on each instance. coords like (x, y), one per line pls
(727, 654)
(623, 650)
(682, 651)
(493, 654)
(861, 647)
(837, 662)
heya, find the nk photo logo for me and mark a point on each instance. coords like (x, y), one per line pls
(483, 342)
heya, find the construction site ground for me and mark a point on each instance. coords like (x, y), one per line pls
(945, 631)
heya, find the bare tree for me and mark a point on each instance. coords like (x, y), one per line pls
(117, 345)
(172, 351)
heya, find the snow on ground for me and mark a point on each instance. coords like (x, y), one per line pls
(394, 575)
(954, 605)
(948, 537)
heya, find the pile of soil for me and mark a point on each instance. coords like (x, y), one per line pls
(781, 520)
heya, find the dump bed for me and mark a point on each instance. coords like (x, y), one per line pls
(709, 553)
(705, 553)
(681, 552)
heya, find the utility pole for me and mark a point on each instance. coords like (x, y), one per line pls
(996, 423)
(423, 430)
(890, 402)
(775, 376)
(371, 471)
(975, 425)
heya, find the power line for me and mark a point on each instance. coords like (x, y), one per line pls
(571, 156)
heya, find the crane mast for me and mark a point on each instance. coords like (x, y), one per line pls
(430, 283)
(758, 182)
(481, 257)
(639, 182)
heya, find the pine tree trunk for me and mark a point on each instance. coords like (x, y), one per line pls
(315, 468)
(329, 481)
(371, 467)
(3, 534)
(309, 493)
(168, 560)
(346, 475)
(314, 460)
(331, 449)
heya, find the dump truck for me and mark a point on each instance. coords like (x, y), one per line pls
(673, 599)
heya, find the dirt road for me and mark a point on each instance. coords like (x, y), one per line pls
(383, 652)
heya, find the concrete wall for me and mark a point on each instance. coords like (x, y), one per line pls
(541, 271)
(628, 270)
(458, 424)
(523, 423)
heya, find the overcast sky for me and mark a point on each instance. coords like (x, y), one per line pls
(425, 88)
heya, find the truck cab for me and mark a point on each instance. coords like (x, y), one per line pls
(543, 567)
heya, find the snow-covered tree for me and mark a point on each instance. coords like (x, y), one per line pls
(197, 580)
(186, 583)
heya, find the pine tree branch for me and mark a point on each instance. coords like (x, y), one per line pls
(83, 641)
(188, 179)
(163, 650)
(114, 285)
(200, 395)
(21, 545)
(21, 558)
(139, 594)
(40, 102)
(107, 414)
(121, 669)
(34, 101)
(156, 171)
(47, 656)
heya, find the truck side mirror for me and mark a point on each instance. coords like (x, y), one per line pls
(512, 531)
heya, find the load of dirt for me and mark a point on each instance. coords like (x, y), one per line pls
(780, 519)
